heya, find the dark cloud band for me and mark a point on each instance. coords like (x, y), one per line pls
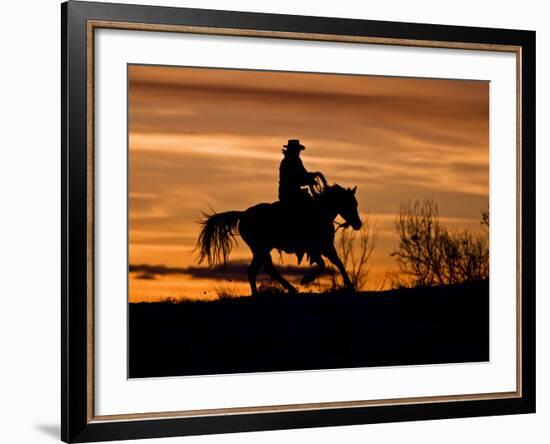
(233, 271)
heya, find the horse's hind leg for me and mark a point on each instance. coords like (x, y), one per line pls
(252, 272)
(309, 278)
(270, 268)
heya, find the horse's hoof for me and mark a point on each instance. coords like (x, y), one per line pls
(292, 290)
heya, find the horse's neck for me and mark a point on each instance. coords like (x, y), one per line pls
(326, 209)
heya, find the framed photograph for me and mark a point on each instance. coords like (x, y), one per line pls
(276, 221)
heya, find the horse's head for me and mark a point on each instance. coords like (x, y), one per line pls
(344, 203)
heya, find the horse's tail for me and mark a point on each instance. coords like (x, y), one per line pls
(217, 237)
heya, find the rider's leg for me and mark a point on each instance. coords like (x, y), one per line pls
(332, 255)
(270, 268)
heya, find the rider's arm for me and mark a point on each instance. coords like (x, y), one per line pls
(306, 178)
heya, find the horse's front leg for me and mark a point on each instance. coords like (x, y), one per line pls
(308, 278)
(332, 255)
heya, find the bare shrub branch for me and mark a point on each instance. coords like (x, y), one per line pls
(429, 255)
(355, 250)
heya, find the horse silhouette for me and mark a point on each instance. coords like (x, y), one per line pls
(269, 226)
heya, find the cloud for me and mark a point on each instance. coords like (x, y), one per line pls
(233, 271)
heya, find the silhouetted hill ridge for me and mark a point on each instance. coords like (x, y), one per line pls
(278, 332)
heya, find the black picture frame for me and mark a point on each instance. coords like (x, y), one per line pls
(77, 425)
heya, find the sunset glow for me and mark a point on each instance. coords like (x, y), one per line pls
(211, 139)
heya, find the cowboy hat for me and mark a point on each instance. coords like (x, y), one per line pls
(294, 144)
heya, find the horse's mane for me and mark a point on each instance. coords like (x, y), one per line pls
(332, 189)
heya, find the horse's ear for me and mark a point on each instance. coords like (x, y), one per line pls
(354, 189)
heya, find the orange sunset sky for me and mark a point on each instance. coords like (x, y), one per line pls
(212, 138)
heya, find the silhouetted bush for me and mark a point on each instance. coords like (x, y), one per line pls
(355, 250)
(428, 254)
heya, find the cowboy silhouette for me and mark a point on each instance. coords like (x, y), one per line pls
(293, 176)
(296, 202)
